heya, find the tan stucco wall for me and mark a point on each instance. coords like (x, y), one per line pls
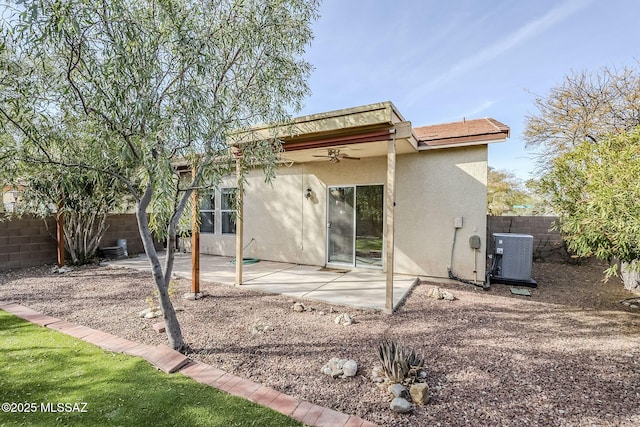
(432, 188)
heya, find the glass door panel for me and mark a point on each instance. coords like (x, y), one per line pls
(341, 227)
(369, 225)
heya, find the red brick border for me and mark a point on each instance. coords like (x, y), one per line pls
(170, 361)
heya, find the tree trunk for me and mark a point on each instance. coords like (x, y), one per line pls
(172, 327)
(631, 276)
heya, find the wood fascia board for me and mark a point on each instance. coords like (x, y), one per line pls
(313, 126)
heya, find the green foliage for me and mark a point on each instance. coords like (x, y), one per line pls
(595, 190)
(154, 84)
(504, 191)
(40, 365)
(399, 363)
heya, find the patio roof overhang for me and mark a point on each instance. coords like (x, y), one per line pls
(362, 131)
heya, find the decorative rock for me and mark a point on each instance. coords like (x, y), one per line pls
(344, 319)
(192, 296)
(419, 393)
(398, 390)
(159, 327)
(260, 327)
(633, 306)
(438, 293)
(340, 368)
(434, 293)
(349, 368)
(446, 295)
(144, 312)
(298, 307)
(62, 270)
(401, 405)
(321, 313)
(150, 315)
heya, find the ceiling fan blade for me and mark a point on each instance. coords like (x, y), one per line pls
(349, 158)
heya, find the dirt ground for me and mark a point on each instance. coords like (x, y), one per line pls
(568, 355)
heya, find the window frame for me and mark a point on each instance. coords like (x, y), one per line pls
(228, 208)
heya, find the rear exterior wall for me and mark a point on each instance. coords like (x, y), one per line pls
(432, 188)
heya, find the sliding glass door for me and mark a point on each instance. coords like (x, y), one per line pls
(355, 225)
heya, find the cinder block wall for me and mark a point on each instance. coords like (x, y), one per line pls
(124, 226)
(27, 242)
(548, 245)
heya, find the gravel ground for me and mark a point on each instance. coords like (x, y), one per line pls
(569, 355)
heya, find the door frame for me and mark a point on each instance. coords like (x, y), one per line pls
(354, 264)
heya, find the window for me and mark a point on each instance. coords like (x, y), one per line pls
(207, 213)
(227, 210)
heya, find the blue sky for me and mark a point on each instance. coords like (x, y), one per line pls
(439, 61)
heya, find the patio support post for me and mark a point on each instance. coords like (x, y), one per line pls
(60, 232)
(239, 219)
(195, 241)
(389, 203)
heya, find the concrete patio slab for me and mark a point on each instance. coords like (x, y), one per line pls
(360, 288)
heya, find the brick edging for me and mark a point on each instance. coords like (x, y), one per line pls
(170, 361)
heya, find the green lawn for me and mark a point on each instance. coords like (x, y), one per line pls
(44, 370)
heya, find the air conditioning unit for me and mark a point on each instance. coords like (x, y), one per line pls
(512, 259)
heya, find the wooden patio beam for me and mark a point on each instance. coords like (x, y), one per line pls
(389, 205)
(60, 233)
(195, 241)
(239, 219)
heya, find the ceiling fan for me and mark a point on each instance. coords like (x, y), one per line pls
(334, 156)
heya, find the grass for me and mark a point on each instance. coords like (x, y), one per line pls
(47, 370)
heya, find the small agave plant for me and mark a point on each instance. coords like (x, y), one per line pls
(399, 363)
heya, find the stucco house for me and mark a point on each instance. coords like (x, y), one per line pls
(363, 188)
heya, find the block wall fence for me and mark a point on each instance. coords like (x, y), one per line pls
(548, 244)
(30, 241)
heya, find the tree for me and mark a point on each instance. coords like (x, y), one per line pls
(585, 110)
(84, 197)
(504, 191)
(595, 190)
(585, 106)
(157, 83)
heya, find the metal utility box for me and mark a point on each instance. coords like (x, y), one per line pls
(512, 259)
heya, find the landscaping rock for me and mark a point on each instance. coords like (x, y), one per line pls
(349, 368)
(298, 307)
(144, 312)
(401, 405)
(438, 293)
(434, 293)
(343, 368)
(446, 295)
(260, 327)
(419, 393)
(150, 315)
(193, 296)
(398, 390)
(344, 319)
